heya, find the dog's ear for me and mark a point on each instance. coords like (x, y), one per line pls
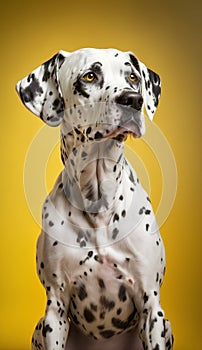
(151, 86)
(151, 89)
(40, 91)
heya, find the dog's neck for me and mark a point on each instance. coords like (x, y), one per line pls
(93, 172)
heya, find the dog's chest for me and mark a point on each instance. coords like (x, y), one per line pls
(101, 297)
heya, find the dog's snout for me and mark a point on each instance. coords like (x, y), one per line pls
(130, 99)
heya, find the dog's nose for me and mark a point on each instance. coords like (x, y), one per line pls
(130, 99)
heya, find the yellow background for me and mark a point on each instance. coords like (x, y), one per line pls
(166, 36)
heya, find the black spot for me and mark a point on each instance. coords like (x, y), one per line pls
(135, 63)
(42, 265)
(101, 283)
(116, 217)
(119, 277)
(141, 211)
(119, 323)
(77, 131)
(131, 177)
(169, 344)
(118, 312)
(51, 223)
(102, 315)
(107, 333)
(163, 333)
(84, 154)
(46, 329)
(147, 227)
(100, 327)
(80, 88)
(56, 103)
(30, 92)
(98, 259)
(88, 315)
(48, 65)
(121, 197)
(155, 80)
(124, 324)
(115, 233)
(160, 313)
(88, 130)
(98, 135)
(55, 243)
(147, 212)
(90, 193)
(152, 324)
(145, 298)
(156, 347)
(74, 151)
(82, 238)
(82, 138)
(123, 213)
(107, 304)
(90, 254)
(93, 307)
(74, 304)
(157, 277)
(122, 293)
(82, 294)
(75, 319)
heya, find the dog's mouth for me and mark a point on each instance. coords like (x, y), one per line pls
(122, 132)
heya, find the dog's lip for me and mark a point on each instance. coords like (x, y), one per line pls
(130, 128)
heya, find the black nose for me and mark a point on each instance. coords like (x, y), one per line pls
(130, 99)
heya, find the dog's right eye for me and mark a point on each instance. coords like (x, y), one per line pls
(89, 77)
(133, 78)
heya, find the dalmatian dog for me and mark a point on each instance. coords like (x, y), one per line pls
(100, 256)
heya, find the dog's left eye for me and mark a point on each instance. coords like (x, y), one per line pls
(89, 77)
(133, 78)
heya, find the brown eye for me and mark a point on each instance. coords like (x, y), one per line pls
(133, 77)
(89, 77)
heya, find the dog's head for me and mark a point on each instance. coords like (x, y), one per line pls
(98, 93)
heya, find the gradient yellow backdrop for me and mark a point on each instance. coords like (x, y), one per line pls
(167, 37)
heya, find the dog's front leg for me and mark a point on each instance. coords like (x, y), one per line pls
(154, 329)
(52, 330)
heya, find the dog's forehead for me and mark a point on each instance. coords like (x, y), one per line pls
(84, 58)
